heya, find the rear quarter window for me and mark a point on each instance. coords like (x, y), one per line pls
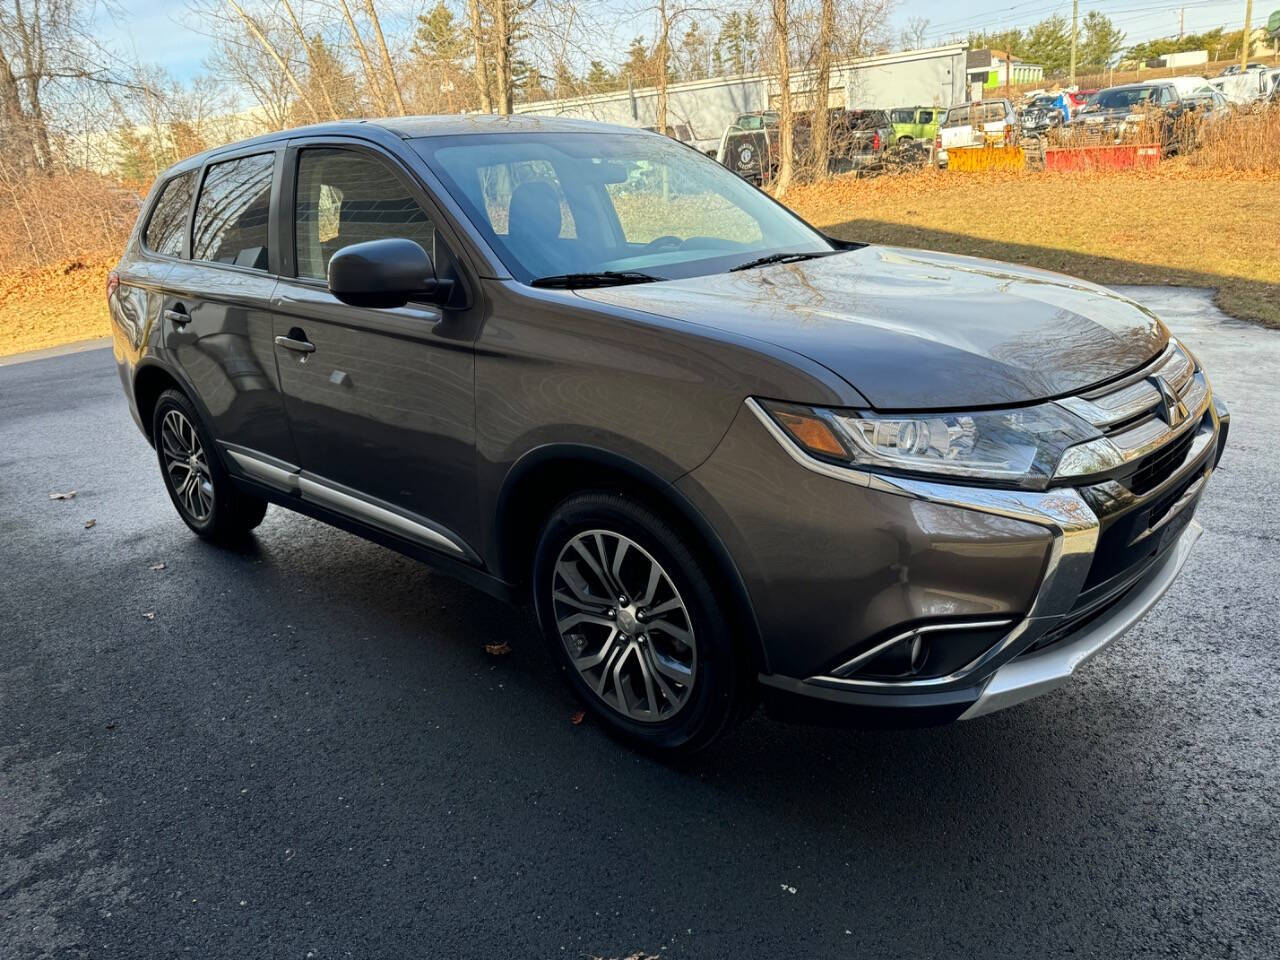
(167, 226)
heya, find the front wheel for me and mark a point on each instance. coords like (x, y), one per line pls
(199, 486)
(633, 622)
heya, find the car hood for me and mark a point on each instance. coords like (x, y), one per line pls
(911, 329)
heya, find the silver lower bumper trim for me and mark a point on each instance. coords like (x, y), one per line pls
(1037, 673)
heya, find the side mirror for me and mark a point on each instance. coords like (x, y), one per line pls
(385, 273)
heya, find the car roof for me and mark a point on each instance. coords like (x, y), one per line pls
(410, 128)
(1137, 86)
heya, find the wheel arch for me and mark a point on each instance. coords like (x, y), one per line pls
(152, 379)
(550, 474)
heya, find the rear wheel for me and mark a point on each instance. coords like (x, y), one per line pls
(633, 622)
(199, 486)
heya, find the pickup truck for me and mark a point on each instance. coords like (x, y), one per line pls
(975, 124)
(858, 139)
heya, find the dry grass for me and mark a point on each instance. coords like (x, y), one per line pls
(1249, 142)
(50, 306)
(1179, 224)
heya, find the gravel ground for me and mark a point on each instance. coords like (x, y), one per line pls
(303, 750)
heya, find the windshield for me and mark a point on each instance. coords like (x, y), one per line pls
(1121, 97)
(588, 203)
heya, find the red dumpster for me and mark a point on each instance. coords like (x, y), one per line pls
(1119, 156)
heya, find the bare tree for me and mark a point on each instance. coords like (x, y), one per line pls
(820, 122)
(316, 76)
(246, 66)
(786, 121)
(670, 15)
(913, 35)
(370, 77)
(260, 35)
(503, 37)
(481, 54)
(386, 57)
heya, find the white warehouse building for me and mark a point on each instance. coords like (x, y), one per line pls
(932, 77)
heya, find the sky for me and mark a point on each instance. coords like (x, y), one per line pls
(166, 33)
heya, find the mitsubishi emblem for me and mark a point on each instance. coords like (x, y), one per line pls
(1172, 409)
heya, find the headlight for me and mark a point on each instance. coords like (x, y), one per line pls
(1010, 447)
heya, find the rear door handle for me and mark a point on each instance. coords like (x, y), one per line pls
(298, 346)
(178, 316)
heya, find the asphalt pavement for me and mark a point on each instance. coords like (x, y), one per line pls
(303, 750)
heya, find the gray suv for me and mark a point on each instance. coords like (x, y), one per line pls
(728, 458)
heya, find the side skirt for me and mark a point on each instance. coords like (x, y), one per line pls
(458, 569)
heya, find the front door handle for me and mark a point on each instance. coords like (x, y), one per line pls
(178, 316)
(298, 346)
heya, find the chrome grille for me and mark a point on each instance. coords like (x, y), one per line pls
(1139, 415)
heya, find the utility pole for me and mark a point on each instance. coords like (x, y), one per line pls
(1182, 22)
(1075, 16)
(1244, 37)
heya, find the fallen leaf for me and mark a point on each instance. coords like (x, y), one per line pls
(157, 566)
(577, 718)
(497, 649)
(90, 524)
(69, 495)
(149, 615)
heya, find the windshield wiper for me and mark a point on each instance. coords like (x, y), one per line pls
(603, 278)
(780, 258)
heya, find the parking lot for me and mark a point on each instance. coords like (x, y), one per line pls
(304, 750)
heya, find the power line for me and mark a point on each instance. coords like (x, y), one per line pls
(1027, 15)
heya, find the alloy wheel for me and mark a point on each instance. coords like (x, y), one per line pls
(624, 625)
(186, 465)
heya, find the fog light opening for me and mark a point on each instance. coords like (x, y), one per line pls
(925, 651)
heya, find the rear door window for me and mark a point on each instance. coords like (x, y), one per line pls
(233, 212)
(168, 224)
(926, 116)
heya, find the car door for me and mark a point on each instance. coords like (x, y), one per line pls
(381, 401)
(217, 309)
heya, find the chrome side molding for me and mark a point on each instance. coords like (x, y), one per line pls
(381, 515)
(268, 470)
(288, 478)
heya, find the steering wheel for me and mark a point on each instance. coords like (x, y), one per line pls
(662, 243)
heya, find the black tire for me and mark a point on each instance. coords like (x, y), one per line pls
(722, 681)
(231, 513)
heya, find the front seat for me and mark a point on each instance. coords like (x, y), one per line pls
(533, 228)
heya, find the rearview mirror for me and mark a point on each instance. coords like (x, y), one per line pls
(385, 273)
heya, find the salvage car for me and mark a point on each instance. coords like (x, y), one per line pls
(915, 123)
(857, 140)
(725, 457)
(1044, 113)
(978, 124)
(1133, 112)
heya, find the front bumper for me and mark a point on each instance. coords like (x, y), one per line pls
(1101, 562)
